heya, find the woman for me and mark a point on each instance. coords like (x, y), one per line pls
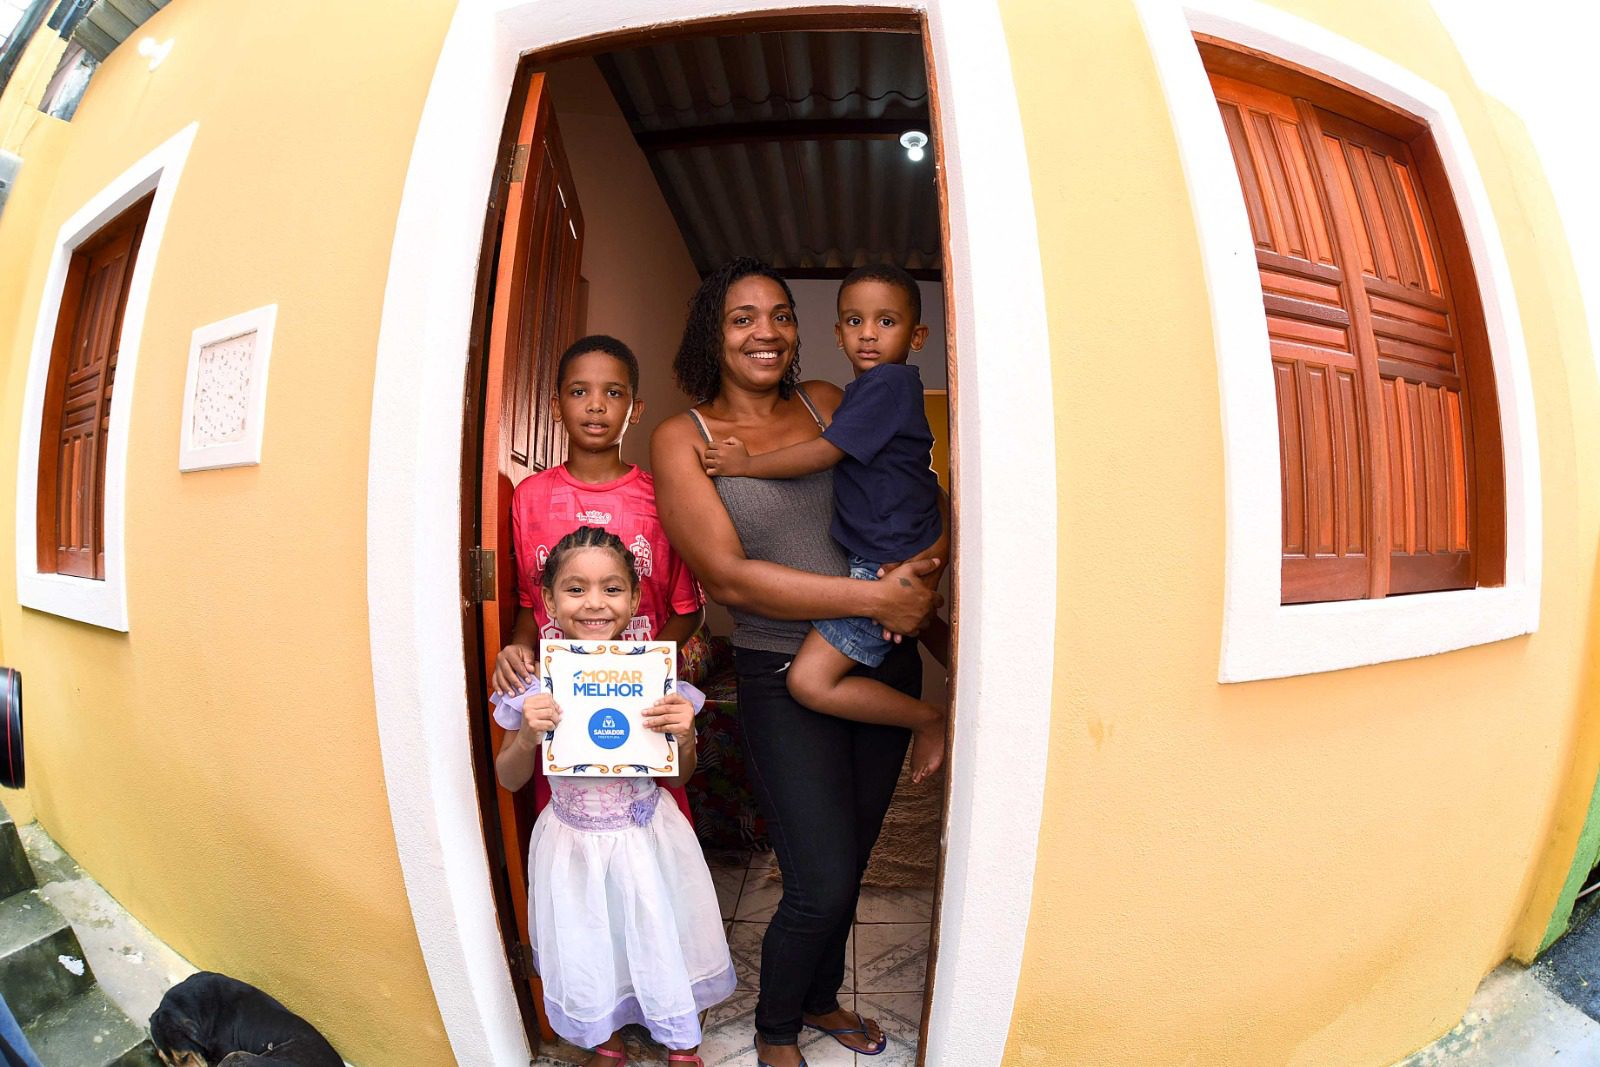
(762, 549)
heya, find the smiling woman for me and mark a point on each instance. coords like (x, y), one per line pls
(763, 548)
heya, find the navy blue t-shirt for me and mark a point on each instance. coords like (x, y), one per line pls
(886, 498)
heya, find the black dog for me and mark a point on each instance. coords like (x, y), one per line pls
(211, 1020)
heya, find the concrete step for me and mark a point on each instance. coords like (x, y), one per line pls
(90, 1031)
(41, 963)
(15, 873)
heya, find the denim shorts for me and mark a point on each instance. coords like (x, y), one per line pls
(860, 639)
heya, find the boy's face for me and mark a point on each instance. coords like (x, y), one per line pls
(595, 403)
(875, 325)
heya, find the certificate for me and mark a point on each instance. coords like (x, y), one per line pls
(602, 689)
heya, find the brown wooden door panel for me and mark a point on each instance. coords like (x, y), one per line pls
(77, 409)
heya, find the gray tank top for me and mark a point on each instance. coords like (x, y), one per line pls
(782, 521)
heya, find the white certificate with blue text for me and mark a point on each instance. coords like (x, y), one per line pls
(602, 689)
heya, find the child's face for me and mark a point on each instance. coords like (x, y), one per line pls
(592, 598)
(595, 403)
(875, 324)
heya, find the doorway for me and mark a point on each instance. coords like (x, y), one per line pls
(633, 168)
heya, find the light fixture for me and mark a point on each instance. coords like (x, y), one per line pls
(912, 141)
(155, 51)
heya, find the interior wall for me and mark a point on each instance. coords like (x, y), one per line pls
(1305, 871)
(217, 767)
(634, 258)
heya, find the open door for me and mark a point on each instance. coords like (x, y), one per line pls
(532, 316)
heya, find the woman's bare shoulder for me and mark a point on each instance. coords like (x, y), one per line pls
(825, 395)
(675, 428)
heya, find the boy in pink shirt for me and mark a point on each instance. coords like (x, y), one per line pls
(597, 386)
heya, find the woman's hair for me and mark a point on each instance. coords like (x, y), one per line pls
(698, 364)
(889, 274)
(599, 342)
(587, 537)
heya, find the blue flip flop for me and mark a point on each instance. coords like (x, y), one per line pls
(860, 1028)
(763, 1063)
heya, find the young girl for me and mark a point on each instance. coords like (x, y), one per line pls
(622, 913)
(596, 401)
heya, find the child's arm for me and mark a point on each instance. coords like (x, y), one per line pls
(519, 750)
(729, 458)
(515, 666)
(673, 714)
(680, 628)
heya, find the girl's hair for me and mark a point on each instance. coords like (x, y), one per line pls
(698, 364)
(889, 274)
(600, 342)
(587, 537)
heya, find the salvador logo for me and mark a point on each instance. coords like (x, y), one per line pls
(608, 728)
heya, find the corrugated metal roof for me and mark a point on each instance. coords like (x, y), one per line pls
(110, 22)
(785, 145)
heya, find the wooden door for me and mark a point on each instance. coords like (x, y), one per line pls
(532, 316)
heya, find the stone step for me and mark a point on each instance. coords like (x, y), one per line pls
(15, 873)
(90, 1031)
(41, 962)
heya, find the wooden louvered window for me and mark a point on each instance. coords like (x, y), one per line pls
(77, 403)
(1388, 429)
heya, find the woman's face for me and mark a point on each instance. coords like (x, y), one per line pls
(759, 334)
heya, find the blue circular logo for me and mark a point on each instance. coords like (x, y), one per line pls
(608, 728)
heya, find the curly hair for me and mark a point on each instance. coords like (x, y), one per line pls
(698, 364)
(587, 537)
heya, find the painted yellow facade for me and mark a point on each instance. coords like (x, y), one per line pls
(217, 767)
(1310, 871)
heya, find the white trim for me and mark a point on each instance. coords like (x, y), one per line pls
(1261, 638)
(100, 603)
(413, 533)
(246, 451)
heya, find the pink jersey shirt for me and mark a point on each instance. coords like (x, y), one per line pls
(551, 504)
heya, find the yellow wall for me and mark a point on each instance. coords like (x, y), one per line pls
(1309, 871)
(217, 768)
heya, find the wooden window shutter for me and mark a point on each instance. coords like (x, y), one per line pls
(77, 406)
(1369, 351)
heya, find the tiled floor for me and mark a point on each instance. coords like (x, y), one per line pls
(885, 967)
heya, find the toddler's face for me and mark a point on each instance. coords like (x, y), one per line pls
(876, 326)
(595, 403)
(592, 598)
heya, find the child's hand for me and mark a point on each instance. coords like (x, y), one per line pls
(539, 717)
(728, 459)
(513, 670)
(672, 714)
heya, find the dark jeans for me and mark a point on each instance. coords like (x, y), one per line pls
(824, 785)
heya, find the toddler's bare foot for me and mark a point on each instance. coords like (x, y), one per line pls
(927, 749)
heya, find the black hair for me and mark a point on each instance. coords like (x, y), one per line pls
(889, 274)
(599, 342)
(587, 537)
(698, 364)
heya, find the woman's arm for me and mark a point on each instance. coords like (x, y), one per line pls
(699, 528)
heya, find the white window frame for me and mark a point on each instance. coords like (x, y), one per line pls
(414, 518)
(99, 602)
(1261, 636)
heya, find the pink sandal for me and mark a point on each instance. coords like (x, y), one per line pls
(620, 1057)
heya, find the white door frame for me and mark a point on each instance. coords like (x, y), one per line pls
(1007, 513)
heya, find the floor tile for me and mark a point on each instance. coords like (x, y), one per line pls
(900, 1015)
(881, 905)
(744, 944)
(759, 899)
(730, 1029)
(891, 957)
(728, 882)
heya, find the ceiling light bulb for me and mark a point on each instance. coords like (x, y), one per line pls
(912, 141)
(915, 154)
